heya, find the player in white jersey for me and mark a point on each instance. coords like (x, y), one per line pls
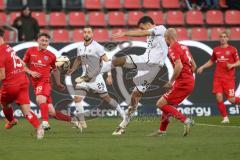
(148, 64)
(90, 55)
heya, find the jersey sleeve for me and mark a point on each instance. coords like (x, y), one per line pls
(235, 55)
(100, 50)
(53, 65)
(26, 57)
(176, 54)
(157, 31)
(213, 57)
(2, 61)
(79, 50)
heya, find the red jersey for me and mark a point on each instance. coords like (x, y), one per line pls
(222, 56)
(40, 61)
(14, 68)
(178, 51)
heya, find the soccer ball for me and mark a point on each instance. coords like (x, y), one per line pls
(63, 63)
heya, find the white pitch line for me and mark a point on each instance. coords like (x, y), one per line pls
(215, 125)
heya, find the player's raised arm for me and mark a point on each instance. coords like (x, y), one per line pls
(205, 66)
(75, 66)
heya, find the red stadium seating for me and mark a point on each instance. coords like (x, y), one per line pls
(214, 17)
(132, 4)
(170, 4)
(116, 18)
(151, 4)
(41, 18)
(101, 35)
(157, 17)
(76, 19)
(2, 4)
(92, 4)
(182, 33)
(194, 17)
(3, 18)
(97, 19)
(133, 17)
(57, 19)
(116, 30)
(232, 17)
(223, 4)
(13, 16)
(175, 18)
(60, 35)
(77, 35)
(235, 33)
(199, 34)
(112, 4)
(7, 36)
(215, 32)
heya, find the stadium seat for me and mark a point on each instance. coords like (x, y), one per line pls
(151, 4)
(101, 35)
(76, 19)
(57, 19)
(235, 33)
(13, 5)
(214, 17)
(182, 33)
(35, 4)
(116, 18)
(92, 4)
(96, 19)
(112, 4)
(175, 18)
(133, 17)
(215, 32)
(55, 5)
(7, 36)
(13, 16)
(171, 4)
(73, 5)
(157, 17)
(41, 18)
(3, 18)
(2, 4)
(132, 4)
(199, 34)
(60, 35)
(194, 17)
(116, 30)
(77, 35)
(232, 17)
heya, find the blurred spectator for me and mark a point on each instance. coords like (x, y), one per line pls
(233, 4)
(194, 4)
(212, 4)
(26, 25)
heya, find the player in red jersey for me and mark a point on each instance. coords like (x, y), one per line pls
(15, 87)
(226, 58)
(180, 85)
(41, 62)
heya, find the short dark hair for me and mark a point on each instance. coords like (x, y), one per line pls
(145, 19)
(2, 32)
(43, 34)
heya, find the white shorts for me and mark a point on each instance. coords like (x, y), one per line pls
(146, 73)
(97, 85)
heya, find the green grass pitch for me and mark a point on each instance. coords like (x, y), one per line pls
(96, 143)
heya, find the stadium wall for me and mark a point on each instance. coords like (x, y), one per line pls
(200, 103)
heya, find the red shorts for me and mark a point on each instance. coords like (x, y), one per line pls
(43, 88)
(227, 87)
(179, 92)
(17, 94)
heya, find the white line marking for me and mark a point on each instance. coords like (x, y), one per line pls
(215, 125)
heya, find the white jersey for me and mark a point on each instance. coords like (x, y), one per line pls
(157, 49)
(91, 58)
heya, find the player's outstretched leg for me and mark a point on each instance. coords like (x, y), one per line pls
(222, 108)
(42, 102)
(10, 120)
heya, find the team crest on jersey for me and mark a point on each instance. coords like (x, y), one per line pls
(39, 61)
(46, 58)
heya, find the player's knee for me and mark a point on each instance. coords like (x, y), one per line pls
(107, 98)
(231, 100)
(136, 94)
(77, 99)
(118, 61)
(219, 98)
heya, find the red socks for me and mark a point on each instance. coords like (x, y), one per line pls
(8, 112)
(60, 116)
(32, 118)
(44, 111)
(222, 109)
(164, 121)
(174, 112)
